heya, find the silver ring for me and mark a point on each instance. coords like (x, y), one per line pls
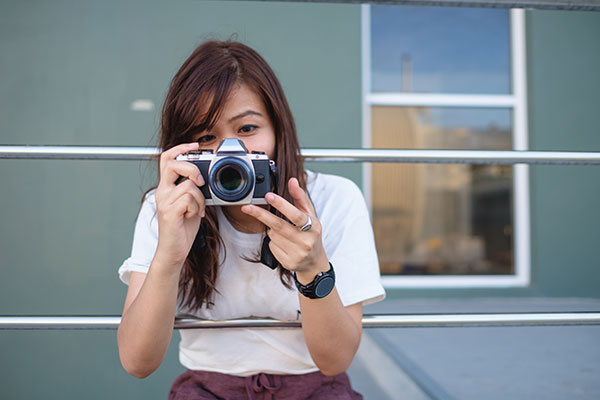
(307, 225)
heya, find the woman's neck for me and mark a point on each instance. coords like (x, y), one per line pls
(242, 222)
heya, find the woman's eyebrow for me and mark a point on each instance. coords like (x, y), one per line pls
(245, 113)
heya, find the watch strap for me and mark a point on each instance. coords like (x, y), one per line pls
(320, 287)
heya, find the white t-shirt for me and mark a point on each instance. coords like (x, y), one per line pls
(247, 289)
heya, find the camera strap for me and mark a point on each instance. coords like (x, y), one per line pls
(266, 256)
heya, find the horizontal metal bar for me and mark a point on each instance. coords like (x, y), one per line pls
(322, 155)
(43, 152)
(369, 321)
(589, 5)
(452, 156)
(440, 100)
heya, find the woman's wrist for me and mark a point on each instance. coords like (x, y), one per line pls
(166, 265)
(306, 276)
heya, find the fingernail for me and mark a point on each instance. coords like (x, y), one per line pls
(247, 209)
(200, 180)
(270, 196)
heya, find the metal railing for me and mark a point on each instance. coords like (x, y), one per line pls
(369, 321)
(324, 155)
(589, 5)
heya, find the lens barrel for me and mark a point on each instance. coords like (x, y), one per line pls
(231, 179)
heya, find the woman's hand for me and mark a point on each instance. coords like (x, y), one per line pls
(298, 251)
(180, 207)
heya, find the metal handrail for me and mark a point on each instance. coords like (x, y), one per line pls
(589, 5)
(324, 155)
(24, 322)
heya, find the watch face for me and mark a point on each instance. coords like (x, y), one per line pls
(324, 287)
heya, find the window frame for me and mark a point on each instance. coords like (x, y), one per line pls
(516, 101)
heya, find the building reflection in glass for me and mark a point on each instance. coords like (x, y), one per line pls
(446, 219)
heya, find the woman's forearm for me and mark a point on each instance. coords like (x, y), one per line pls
(147, 325)
(331, 333)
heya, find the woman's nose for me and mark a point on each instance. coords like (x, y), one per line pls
(229, 135)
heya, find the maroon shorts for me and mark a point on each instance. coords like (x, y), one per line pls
(213, 385)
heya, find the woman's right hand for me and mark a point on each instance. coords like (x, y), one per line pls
(180, 207)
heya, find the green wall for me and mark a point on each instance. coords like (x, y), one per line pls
(70, 70)
(564, 114)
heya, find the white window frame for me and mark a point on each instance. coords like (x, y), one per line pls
(516, 101)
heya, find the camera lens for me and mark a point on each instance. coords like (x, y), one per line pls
(231, 179)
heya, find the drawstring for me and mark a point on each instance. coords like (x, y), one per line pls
(260, 383)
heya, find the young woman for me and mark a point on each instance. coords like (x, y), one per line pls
(203, 260)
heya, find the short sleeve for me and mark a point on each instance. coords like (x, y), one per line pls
(145, 240)
(348, 240)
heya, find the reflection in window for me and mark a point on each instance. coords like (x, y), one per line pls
(442, 218)
(440, 50)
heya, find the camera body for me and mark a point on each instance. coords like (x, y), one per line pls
(232, 175)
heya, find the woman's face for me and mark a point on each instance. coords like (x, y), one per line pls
(243, 117)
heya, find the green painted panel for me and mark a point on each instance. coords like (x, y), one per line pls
(70, 71)
(564, 100)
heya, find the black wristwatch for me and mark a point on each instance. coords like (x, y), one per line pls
(320, 287)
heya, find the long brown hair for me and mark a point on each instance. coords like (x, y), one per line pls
(199, 90)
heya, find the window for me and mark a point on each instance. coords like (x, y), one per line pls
(452, 79)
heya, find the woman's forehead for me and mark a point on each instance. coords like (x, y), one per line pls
(241, 98)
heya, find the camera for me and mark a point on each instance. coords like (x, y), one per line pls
(232, 175)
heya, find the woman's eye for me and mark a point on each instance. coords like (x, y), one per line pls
(206, 138)
(248, 128)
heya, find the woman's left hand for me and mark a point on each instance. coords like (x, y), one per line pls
(298, 251)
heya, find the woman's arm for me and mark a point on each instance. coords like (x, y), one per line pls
(332, 331)
(147, 320)
(149, 311)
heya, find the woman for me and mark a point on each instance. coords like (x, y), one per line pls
(225, 90)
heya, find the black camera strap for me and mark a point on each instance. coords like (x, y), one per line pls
(266, 256)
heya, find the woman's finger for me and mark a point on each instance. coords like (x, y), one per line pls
(193, 209)
(270, 220)
(300, 197)
(297, 252)
(177, 169)
(187, 187)
(279, 254)
(175, 151)
(186, 205)
(170, 155)
(292, 213)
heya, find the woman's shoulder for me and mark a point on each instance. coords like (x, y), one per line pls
(149, 198)
(326, 185)
(147, 211)
(335, 197)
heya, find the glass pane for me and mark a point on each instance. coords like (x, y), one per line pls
(440, 50)
(448, 219)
